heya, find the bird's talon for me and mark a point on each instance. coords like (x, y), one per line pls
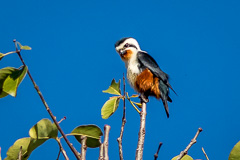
(143, 98)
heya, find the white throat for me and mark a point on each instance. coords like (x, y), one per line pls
(133, 71)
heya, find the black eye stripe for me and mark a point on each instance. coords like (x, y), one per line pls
(131, 45)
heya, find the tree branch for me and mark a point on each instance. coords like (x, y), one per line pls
(61, 150)
(101, 152)
(105, 142)
(84, 147)
(64, 118)
(123, 121)
(205, 154)
(193, 141)
(142, 131)
(156, 154)
(46, 105)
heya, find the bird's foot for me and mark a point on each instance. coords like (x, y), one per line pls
(143, 98)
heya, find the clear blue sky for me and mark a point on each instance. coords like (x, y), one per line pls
(73, 59)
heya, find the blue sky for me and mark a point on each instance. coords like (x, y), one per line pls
(73, 59)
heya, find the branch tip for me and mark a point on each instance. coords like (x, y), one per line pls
(193, 141)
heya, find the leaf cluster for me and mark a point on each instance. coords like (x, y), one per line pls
(111, 105)
(10, 79)
(45, 130)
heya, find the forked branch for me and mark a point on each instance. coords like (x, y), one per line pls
(46, 105)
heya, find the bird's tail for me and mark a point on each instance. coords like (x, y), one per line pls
(165, 104)
(164, 96)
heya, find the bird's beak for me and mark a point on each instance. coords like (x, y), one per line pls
(121, 52)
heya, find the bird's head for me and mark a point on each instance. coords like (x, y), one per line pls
(127, 47)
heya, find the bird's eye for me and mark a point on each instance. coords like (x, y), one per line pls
(126, 45)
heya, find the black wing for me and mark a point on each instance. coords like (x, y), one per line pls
(146, 61)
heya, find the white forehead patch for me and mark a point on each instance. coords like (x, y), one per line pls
(129, 41)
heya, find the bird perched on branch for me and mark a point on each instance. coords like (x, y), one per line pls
(143, 72)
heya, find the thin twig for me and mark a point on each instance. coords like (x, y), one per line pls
(123, 121)
(3, 55)
(128, 98)
(142, 131)
(205, 154)
(61, 150)
(46, 105)
(84, 147)
(101, 152)
(59, 154)
(156, 154)
(20, 154)
(64, 118)
(193, 141)
(105, 142)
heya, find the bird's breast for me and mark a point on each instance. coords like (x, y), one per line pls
(132, 73)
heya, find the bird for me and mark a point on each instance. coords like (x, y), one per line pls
(143, 72)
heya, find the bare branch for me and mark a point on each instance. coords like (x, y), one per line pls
(64, 118)
(193, 141)
(205, 154)
(156, 154)
(58, 154)
(46, 105)
(84, 147)
(61, 150)
(142, 131)
(101, 152)
(105, 143)
(123, 121)
(3, 55)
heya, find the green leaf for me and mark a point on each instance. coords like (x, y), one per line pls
(10, 79)
(13, 151)
(92, 132)
(110, 107)
(34, 143)
(114, 88)
(44, 129)
(235, 153)
(23, 47)
(39, 133)
(186, 157)
(28, 145)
